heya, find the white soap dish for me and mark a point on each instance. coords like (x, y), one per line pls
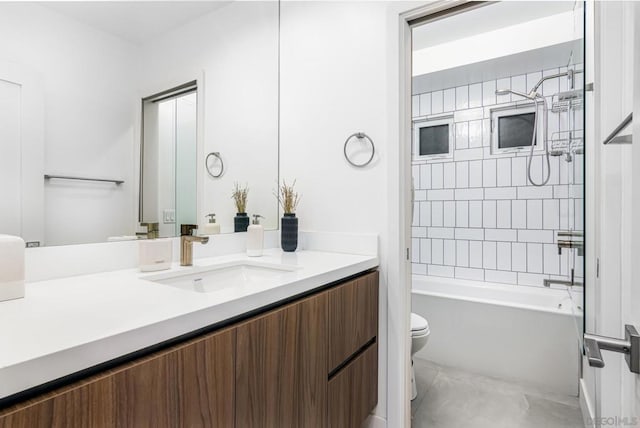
(155, 254)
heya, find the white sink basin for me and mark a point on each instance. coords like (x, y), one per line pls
(205, 279)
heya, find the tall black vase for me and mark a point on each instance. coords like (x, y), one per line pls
(240, 222)
(289, 233)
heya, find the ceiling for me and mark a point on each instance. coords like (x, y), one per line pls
(497, 68)
(135, 21)
(485, 19)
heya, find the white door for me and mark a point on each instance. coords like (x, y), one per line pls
(10, 158)
(612, 394)
(21, 153)
(631, 290)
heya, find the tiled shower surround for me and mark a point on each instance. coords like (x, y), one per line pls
(476, 216)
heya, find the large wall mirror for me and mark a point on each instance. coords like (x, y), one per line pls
(108, 111)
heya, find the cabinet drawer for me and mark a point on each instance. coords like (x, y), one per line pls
(353, 391)
(188, 385)
(353, 317)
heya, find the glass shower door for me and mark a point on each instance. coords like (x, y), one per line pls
(572, 103)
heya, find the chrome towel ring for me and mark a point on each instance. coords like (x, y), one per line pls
(359, 136)
(206, 164)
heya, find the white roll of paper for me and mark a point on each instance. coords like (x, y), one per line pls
(11, 267)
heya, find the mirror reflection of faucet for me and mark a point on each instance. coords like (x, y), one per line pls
(151, 231)
(187, 238)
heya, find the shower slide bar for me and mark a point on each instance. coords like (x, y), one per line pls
(67, 177)
(613, 138)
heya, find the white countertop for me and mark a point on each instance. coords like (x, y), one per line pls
(66, 325)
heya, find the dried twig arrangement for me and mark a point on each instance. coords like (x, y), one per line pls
(288, 198)
(239, 196)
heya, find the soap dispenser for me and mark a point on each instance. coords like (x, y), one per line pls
(255, 237)
(211, 228)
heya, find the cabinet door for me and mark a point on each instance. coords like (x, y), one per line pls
(353, 317)
(281, 378)
(90, 404)
(206, 382)
(353, 391)
(190, 385)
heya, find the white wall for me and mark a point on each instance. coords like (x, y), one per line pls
(236, 54)
(339, 63)
(87, 86)
(334, 84)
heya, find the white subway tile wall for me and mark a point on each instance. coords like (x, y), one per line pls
(477, 216)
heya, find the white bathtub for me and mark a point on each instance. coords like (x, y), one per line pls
(519, 333)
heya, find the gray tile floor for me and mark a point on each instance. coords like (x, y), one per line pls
(450, 398)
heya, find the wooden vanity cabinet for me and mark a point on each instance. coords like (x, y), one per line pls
(353, 351)
(313, 363)
(309, 363)
(91, 404)
(353, 317)
(281, 360)
(190, 385)
(353, 392)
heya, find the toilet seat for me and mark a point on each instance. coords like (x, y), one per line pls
(419, 326)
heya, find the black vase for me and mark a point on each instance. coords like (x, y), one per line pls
(240, 222)
(289, 233)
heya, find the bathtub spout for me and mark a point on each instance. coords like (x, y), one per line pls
(548, 282)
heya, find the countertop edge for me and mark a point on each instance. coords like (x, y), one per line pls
(36, 376)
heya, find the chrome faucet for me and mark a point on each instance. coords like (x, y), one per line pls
(571, 239)
(187, 238)
(548, 282)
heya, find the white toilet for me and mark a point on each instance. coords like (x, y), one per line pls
(419, 338)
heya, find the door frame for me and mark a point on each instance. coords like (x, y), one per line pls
(611, 200)
(400, 200)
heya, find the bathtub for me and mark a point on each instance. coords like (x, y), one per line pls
(516, 333)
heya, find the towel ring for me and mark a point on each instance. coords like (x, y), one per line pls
(206, 164)
(360, 136)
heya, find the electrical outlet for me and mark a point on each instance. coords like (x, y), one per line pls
(169, 216)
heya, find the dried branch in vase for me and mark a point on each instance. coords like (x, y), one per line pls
(239, 197)
(288, 198)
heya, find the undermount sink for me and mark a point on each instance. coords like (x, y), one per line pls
(205, 279)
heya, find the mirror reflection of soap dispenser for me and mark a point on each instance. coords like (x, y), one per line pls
(211, 228)
(255, 237)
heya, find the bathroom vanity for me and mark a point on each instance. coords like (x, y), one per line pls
(306, 355)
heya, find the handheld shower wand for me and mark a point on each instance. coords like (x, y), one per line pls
(535, 97)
